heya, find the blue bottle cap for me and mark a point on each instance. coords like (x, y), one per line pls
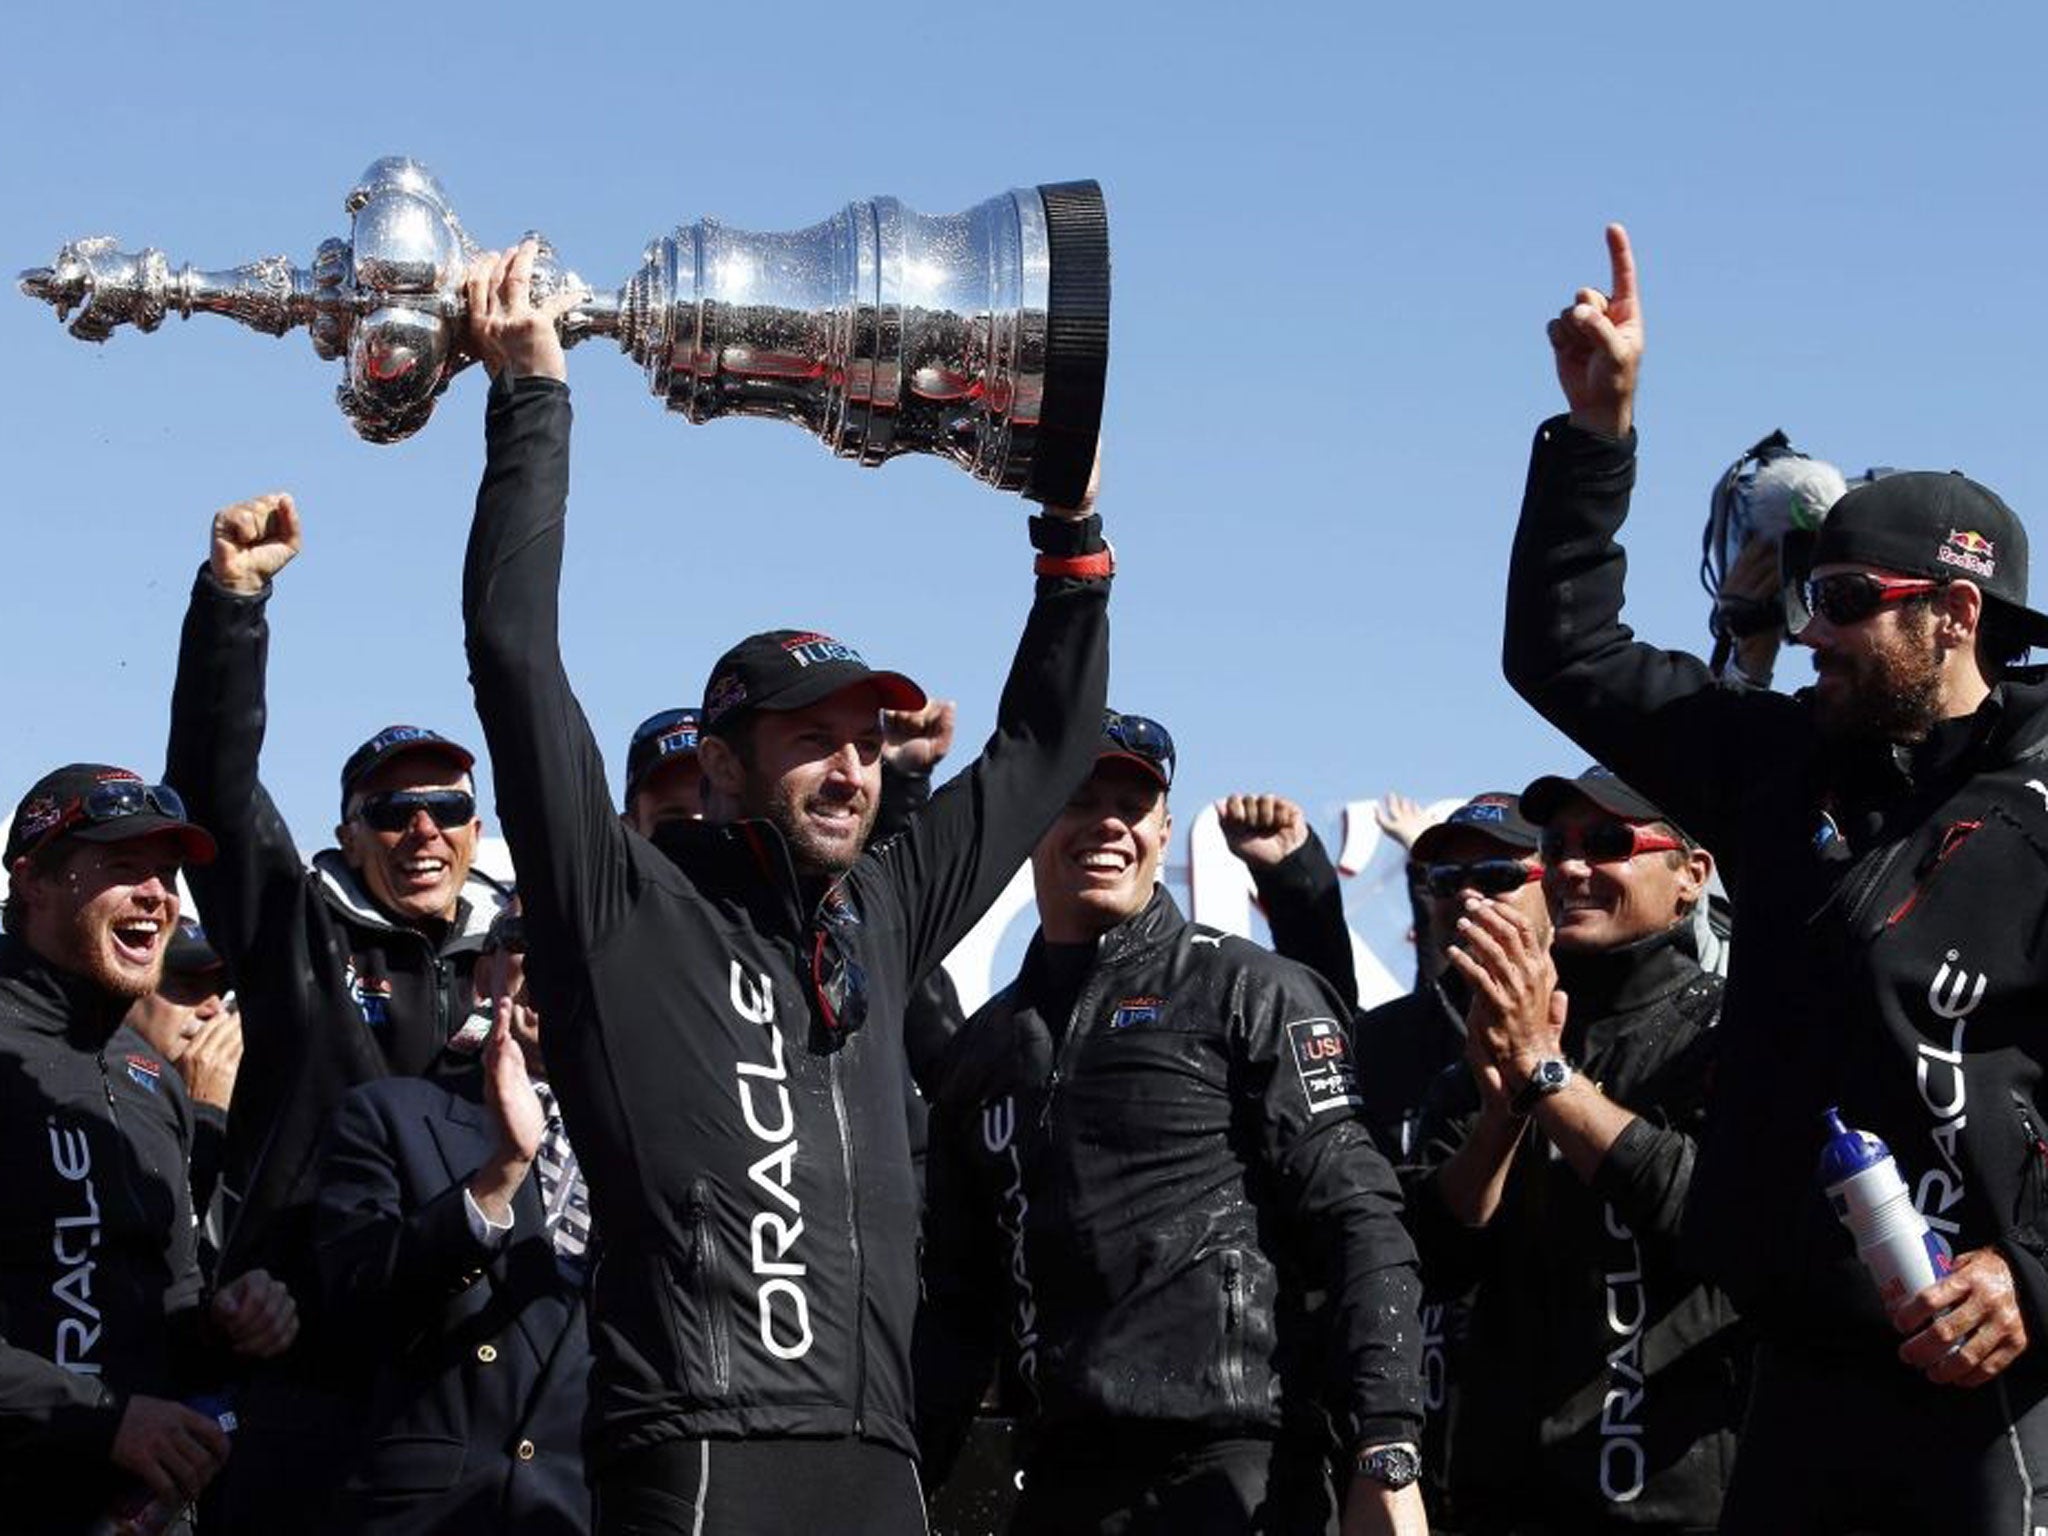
(1848, 1152)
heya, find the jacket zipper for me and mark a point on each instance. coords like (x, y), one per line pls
(1233, 1327)
(860, 1265)
(1865, 890)
(708, 1287)
(1953, 837)
(2034, 1176)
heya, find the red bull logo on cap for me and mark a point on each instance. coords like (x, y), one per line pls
(1968, 550)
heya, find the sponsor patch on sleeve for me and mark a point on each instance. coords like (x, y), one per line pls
(1322, 1056)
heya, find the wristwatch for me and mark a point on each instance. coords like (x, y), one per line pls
(1547, 1076)
(1391, 1466)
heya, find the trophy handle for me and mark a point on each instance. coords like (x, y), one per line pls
(112, 288)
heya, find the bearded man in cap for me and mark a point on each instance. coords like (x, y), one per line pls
(724, 1003)
(105, 1317)
(359, 967)
(1882, 834)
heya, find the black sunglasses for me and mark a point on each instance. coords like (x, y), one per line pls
(1489, 877)
(1141, 738)
(114, 800)
(1850, 597)
(1604, 842)
(392, 810)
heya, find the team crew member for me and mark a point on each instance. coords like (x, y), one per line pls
(193, 1021)
(1881, 834)
(663, 775)
(105, 1318)
(1147, 1159)
(346, 972)
(724, 1005)
(454, 1240)
(1560, 1154)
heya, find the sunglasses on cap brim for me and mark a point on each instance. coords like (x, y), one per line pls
(1147, 740)
(112, 801)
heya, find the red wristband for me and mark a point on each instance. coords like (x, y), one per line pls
(1081, 567)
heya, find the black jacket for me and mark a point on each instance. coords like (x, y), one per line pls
(333, 993)
(476, 1415)
(1888, 946)
(1405, 1043)
(749, 1169)
(1136, 1202)
(99, 1277)
(1600, 1380)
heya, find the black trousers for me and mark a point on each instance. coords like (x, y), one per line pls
(1123, 1486)
(1835, 1444)
(778, 1487)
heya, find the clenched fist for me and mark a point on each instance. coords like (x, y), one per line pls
(253, 540)
(1262, 830)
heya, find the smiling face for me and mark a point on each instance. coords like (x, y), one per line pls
(415, 874)
(1098, 863)
(1602, 906)
(104, 911)
(815, 773)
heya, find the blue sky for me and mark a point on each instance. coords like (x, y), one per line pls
(1336, 234)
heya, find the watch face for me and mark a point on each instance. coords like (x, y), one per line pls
(1391, 1466)
(1553, 1073)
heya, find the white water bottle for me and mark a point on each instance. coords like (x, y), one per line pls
(1901, 1253)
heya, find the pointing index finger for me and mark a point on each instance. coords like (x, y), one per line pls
(1622, 259)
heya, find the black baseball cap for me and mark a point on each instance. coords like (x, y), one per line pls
(783, 669)
(99, 803)
(671, 733)
(397, 741)
(1944, 526)
(1138, 740)
(1546, 796)
(190, 953)
(1495, 814)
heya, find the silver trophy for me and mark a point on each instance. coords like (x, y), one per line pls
(981, 336)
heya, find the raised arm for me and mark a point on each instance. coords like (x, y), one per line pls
(553, 801)
(959, 853)
(1654, 716)
(1296, 884)
(249, 894)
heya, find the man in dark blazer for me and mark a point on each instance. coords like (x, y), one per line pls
(452, 1238)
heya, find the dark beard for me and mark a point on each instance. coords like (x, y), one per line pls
(1898, 699)
(815, 861)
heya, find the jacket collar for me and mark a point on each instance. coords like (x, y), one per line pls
(54, 1002)
(1618, 981)
(1152, 927)
(481, 900)
(747, 862)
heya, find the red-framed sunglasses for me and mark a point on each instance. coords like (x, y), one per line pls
(1604, 842)
(1850, 597)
